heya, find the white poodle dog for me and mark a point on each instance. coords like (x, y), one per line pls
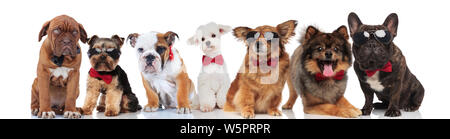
(213, 80)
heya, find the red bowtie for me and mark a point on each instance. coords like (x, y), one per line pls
(170, 53)
(107, 78)
(208, 60)
(271, 62)
(386, 68)
(339, 76)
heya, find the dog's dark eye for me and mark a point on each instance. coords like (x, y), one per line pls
(213, 35)
(140, 50)
(203, 38)
(320, 49)
(160, 49)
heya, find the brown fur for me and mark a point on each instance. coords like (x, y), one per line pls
(249, 93)
(47, 89)
(321, 97)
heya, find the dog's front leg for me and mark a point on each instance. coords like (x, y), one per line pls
(245, 100)
(91, 100)
(393, 108)
(152, 97)
(183, 85)
(45, 110)
(72, 91)
(113, 98)
(368, 94)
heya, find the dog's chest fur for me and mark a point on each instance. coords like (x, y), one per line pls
(374, 82)
(164, 83)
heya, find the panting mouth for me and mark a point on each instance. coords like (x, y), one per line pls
(327, 67)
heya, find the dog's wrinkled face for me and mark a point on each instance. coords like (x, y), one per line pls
(208, 37)
(326, 53)
(152, 49)
(372, 44)
(265, 42)
(63, 32)
(104, 53)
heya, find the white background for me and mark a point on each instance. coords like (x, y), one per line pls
(422, 34)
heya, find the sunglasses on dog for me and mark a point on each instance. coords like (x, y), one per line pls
(382, 36)
(254, 35)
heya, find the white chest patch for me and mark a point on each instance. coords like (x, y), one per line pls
(61, 71)
(374, 82)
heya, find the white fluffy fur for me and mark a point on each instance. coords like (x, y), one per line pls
(163, 80)
(374, 82)
(213, 81)
(61, 71)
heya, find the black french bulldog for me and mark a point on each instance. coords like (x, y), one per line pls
(381, 68)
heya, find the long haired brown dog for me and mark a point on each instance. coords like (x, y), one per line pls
(318, 72)
(259, 83)
(55, 89)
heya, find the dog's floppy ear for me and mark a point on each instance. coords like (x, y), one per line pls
(169, 36)
(286, 30)
(83, 34)
(43, 31)
(353, 23)
(132, 39)
(224, 29)
(92, 40)
(310, 32)
(342, 30)
(118, 40)
(241, 33)
(391, 23)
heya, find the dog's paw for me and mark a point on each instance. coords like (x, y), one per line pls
(35, 111)
(393, 113)
(46, 114)
(101, 108)
(366, 111)
(111, 113)
(248, 114)
(72, 115)
(206, 108)
(287, 106)
(183, 110)
(348, 113)
(149, 108)
(275, 112)
(410, 108)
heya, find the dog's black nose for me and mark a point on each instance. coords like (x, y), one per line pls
(150, 59)
(208, 43)
(103, 57)
(328, 54)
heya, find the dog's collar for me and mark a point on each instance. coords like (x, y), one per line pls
(59, 60)
(106, 76)
(338, 76)
(386, 68)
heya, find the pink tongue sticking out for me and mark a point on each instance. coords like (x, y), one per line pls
(327, 70)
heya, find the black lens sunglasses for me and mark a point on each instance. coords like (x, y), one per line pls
(382, 36)
(254, 35)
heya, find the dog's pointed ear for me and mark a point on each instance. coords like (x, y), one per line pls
(132, 39)
(169, 36)
(342, 31)
(353, 23)
(241, 33)
(286, 30)
(118, 40)
(310, 32)
(92, 40)
(224, 29)
(391, 23)
(43, 31)
(83, 34)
